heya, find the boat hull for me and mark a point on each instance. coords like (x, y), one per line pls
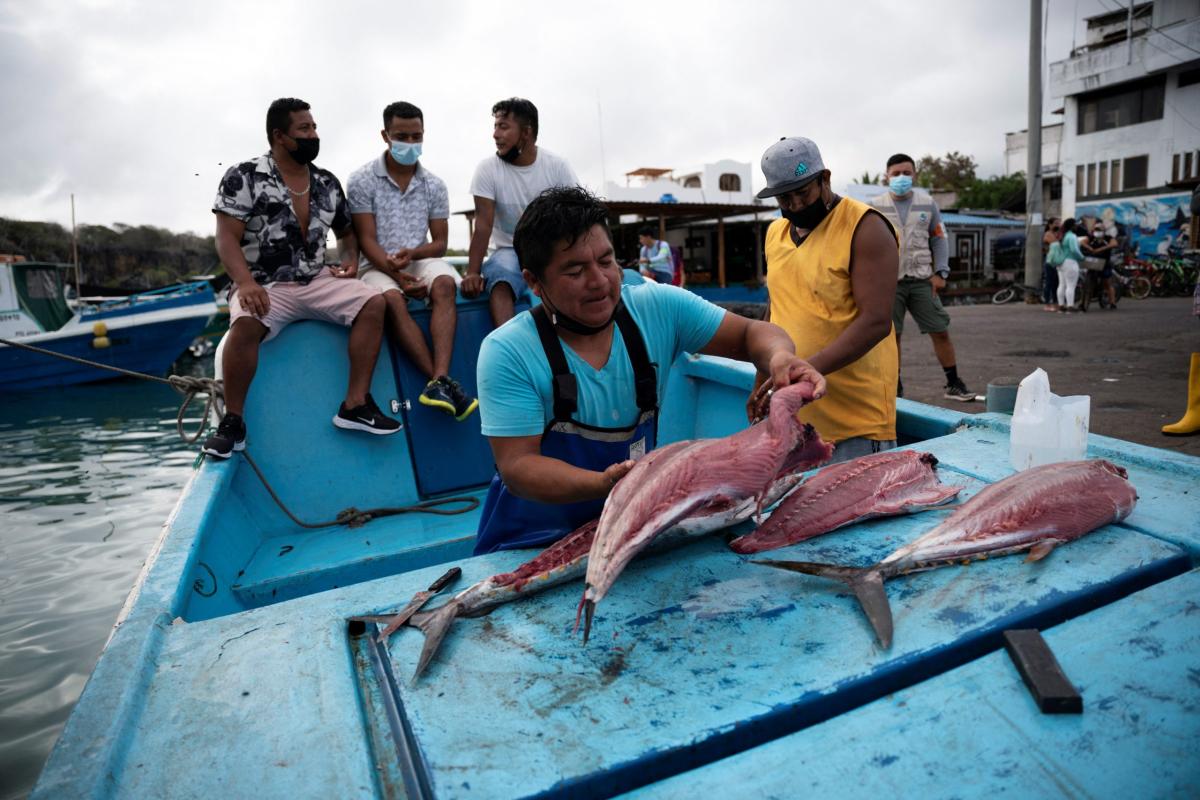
(149, 347)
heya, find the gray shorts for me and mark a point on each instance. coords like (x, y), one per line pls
(917, 298)
(847, 449)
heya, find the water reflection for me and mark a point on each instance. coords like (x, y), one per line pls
(87, 477)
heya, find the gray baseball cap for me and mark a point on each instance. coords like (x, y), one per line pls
(789, 164)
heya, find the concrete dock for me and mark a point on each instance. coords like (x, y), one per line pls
(1133, 361)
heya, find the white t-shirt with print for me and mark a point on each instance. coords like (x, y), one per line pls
(512, 188)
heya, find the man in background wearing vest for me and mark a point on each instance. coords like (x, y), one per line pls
(831, 276)
(924, 267)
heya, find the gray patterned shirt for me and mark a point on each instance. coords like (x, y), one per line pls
(401, 218)
(275, 249)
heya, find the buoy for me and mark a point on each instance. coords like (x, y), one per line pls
(100, 331)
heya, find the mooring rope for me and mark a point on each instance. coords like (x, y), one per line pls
(190, 386)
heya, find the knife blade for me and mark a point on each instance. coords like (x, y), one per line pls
(419, 599)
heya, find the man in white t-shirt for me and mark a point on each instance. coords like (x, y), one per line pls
(503, 185)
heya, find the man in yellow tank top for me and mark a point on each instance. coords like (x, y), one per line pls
(832, 266)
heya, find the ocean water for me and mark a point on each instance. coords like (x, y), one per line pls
(88, 475)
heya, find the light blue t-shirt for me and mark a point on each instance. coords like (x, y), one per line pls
(515, 394)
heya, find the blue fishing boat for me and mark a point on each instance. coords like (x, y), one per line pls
(144, 332)
(233, 670)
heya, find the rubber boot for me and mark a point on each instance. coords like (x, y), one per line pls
(1190, 424)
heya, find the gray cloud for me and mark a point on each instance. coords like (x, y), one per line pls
(138, 107)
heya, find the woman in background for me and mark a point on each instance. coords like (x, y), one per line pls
(1068, 271)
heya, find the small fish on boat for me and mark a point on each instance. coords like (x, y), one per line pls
(566, 559)
(656, 494)
(879, 485)
(1035, 510)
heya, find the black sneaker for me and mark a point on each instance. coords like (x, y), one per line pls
(230, 436)
(367, 418)
(957, 390)
(446, 394)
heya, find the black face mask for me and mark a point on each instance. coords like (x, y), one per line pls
(808, 217)
(306, 151)
(573, 325)
(511, 154)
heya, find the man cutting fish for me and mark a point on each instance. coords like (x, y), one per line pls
(570, 393)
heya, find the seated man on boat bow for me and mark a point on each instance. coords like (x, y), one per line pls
(273, 214)
(570, 392)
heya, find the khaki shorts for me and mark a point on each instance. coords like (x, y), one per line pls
(336, 300)
(917, 298)
(425, 270)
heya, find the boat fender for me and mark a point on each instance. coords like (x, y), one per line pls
(100, 331)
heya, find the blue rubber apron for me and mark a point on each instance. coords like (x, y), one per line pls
(508, 522)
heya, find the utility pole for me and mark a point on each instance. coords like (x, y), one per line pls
(1033, 170)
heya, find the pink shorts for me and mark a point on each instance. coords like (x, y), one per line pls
(336, 300)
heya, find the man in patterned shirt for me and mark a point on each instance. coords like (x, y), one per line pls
(400, 211)
(273, 214)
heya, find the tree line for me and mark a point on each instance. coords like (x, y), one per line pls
(121, 256)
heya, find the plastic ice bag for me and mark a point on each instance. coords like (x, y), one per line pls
(1047, 428)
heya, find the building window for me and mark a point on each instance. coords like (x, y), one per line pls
(728, 182)
(1135, 172)
(1174, 167)
(1102, 187)
(1187, 166)
(1091, 180)
(1116, 175)
(1080, 186)
(1188, 77)
(1055, 185)
(1128, 104)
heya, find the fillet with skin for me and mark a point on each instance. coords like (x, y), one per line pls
(566, 560)
(1035, 510)
(879, 485)
(657, 494)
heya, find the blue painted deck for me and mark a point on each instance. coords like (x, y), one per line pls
(231, 671)
(976, 732)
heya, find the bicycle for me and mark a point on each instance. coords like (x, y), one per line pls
(1014, 291)
(1174, 277)
(1135, 277)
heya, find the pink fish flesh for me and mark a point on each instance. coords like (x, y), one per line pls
(654, 495)
(880, 485)
(566, 560)
(1035, 510)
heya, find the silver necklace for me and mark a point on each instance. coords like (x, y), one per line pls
(294, 193)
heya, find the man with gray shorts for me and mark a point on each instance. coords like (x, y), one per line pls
(273, 214)
(400, 211)
(924, 267)
(503, 185)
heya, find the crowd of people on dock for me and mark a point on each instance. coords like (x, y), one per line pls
(1074, 253)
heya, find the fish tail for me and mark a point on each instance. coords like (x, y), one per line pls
(866, 583)
(434, 624)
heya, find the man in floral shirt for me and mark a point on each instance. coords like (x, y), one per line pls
(273, 214)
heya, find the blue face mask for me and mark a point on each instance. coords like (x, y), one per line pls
(900, 184)
(406, 153)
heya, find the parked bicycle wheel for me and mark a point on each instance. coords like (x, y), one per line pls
(1139, 287)
(1005, 295)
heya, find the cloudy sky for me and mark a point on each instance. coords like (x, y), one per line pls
(137, 107)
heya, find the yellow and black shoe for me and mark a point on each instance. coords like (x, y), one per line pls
(447, 395)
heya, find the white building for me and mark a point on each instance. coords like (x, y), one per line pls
(1016, 159)
(724, 181)
(1130, 144)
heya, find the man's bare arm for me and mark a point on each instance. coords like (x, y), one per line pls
(529, 474)
(874, 270)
